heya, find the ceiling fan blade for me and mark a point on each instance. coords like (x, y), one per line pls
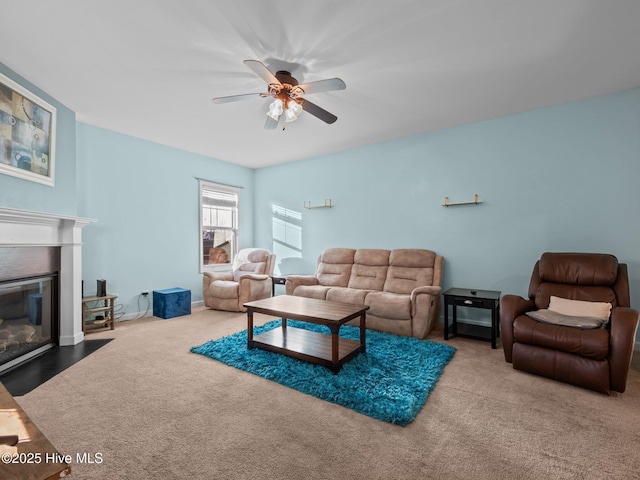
(262, 71)
(271, 124)
(327, 85)
(236, 98)
(316, 111)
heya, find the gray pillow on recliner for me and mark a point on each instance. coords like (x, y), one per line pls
(555, 318)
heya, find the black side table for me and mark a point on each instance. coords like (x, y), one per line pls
(463, 297)
(277, 280)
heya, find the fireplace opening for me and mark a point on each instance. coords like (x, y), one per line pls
(28, 318)
(29, 303)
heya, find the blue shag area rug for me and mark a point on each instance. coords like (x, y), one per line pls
(390, 382)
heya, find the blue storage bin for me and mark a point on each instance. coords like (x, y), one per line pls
(171, 302)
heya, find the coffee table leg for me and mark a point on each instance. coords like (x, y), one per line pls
(250, 344)
(284, 323)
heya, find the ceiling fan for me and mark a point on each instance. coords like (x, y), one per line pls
(288, 103)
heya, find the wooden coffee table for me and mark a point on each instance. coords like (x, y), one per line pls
(33, 457)
(332, 351)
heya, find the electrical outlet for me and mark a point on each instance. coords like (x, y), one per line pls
(145, 293)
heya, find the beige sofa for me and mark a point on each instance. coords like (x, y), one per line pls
(401, 287)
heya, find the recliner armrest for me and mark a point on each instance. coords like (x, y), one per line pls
(511, 307)
(253, 277)
(294, 281)
(213, 276)
(624, 325)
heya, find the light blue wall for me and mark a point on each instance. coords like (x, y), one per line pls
(61, 198)
(557, 179)
(145, 199)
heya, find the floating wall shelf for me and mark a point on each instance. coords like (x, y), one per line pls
(327, 204)
(475, 201)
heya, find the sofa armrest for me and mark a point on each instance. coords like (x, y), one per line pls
(511, 307)
(624, 325)
(425, 309)
(294, 281)
(425, 290)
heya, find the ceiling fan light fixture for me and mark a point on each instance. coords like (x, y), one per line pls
(287, 93)
(295, 107)
(289, 116)
(275, 109)
(293, 110)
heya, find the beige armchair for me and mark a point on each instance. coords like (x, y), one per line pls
(248, 280)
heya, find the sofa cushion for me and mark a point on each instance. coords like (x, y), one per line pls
(353, 296)
(389, 305)
(367, 277)
(369, 270)
(412, 257)
(372, 256)
(591, 343)
(334, 267)
(408, 269)
(312, 291)
(338, 255)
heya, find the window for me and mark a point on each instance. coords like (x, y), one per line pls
(218, 225)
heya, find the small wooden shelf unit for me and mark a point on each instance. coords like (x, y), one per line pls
(94, 305)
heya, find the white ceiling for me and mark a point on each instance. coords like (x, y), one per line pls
(149, 68)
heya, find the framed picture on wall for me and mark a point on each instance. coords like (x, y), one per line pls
(27, 134)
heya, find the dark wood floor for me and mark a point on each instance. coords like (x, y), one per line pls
(29, 375)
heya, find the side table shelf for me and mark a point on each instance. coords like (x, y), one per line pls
(103, 304)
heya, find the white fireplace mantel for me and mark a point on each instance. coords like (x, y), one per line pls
(24, 228)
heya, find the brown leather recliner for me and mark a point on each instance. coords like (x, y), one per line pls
(597, 359)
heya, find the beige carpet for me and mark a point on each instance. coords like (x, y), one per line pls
(155, 410)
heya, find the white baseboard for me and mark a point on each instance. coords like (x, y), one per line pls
(149, 313)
